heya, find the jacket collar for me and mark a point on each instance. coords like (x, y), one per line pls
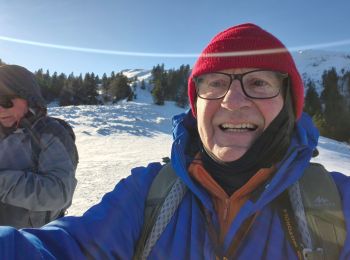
(289, 170)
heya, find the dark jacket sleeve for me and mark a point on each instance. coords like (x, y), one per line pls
(51, 185)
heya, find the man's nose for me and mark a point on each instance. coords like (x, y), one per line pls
(235, 97)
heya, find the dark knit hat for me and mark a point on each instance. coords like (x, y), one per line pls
(247, 46)
(19, 81)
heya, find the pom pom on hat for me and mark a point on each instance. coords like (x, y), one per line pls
(247, 46)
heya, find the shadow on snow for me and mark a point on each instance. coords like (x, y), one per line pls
(137, 119)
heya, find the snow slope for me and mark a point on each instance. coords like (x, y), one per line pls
(113, 139)
(312, 64)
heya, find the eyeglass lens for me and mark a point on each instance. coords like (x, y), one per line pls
(255, 84)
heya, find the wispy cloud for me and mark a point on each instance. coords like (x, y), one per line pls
(170, 55)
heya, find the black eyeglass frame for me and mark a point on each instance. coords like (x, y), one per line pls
(239, 77)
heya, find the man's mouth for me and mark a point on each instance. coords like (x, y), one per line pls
(244, 127)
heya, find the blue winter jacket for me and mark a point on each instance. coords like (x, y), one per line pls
(110, 230)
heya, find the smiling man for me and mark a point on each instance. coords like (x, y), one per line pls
(235, 187)
(235, 107)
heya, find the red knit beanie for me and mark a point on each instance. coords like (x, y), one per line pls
(247, 46)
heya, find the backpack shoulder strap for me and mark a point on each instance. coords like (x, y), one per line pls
(317, 210)
(323, 208)
(35, 133)
(49, 124)
(164, 196)
(160, 188)
(66, 126)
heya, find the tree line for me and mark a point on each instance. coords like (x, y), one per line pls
(84, 90)
(91, 90)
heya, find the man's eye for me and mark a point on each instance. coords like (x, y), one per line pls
(260, 83)
(217, 84)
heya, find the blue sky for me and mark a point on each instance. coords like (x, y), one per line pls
(153, 27)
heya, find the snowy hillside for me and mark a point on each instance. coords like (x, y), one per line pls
(139, 73)
(113, 139)
(312, 64)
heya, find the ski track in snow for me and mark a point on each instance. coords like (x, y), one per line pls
(113, 139)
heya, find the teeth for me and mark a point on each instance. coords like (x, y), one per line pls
(238, 127)
(237, 130)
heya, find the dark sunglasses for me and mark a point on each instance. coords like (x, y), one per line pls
(6, 101)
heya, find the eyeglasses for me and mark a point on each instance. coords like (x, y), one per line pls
(257, 84)
(6, 101)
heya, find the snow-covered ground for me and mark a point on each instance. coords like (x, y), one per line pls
(113, 139)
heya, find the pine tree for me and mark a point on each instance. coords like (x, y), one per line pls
(335, 112)
(312, 101)
(61, 82)
(181, 96)
(105, 82)
(89, 90)
(171, 83)
(143, 84)
(39, 76)
(44, 81)
(67, 95)
(119, 87)
(157, 72)
(159, 80)
(77, 88)
(57, 82)
(158, 93)
(112, 76)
